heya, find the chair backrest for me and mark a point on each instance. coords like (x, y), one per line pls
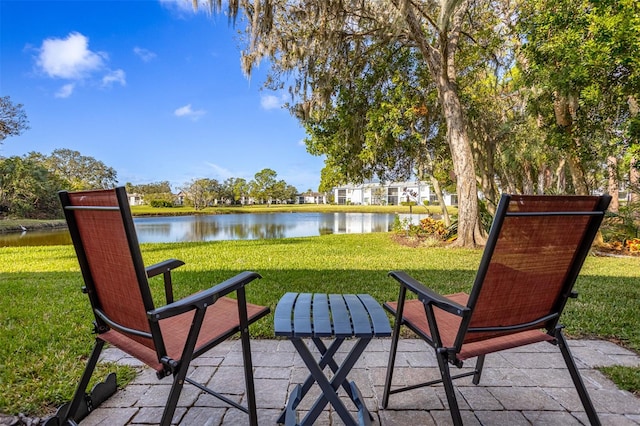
(535, 250)
(106, 244)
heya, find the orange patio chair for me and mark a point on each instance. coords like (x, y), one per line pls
(166, 338)
(535, 250)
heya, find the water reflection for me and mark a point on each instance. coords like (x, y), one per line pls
(245, 226)
(258, 226)
(35, 238)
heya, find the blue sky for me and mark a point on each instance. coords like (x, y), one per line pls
(150, 88)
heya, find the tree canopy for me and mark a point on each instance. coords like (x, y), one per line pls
(323, 50)
(13, 118)
(525, 96)
(264, 188)
(29, 184)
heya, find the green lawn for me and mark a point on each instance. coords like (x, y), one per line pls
(45, 322)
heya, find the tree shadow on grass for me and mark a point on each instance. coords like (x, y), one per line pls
(46, 320)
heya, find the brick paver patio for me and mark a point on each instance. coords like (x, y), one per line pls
(526, 386)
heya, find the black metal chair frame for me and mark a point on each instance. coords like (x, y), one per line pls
(448, 355)
(198, 303)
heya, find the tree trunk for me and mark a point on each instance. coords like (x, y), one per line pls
(634, 173)
(443, 207)
(634, 180)
(543, 179)
(577, 175)
(527, 179)
(565, 108)
(484, 154)
(612, 168)
(435, 184)
(469, 233)
(440, 59)
(561, 185)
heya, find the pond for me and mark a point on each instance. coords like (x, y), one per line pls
(243, 226)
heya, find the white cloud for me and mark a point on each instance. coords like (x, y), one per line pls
(69, 58)
(221, 172)
(117, 76)
(187, 111)
(270, 102)
(184, 6)
(144, 54)
(65, 91)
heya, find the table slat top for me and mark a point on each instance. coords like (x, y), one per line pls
(301, 317)
(321, 315)
(327, 315)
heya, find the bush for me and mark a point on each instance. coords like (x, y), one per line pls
(633, 245)
(622, 226)
(433, 228)
(427, 227)
(161, 203)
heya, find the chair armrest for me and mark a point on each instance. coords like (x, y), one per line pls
(165, 268)
(426, 295)
(203, 299)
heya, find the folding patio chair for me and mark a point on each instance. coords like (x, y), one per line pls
(535, 250)
(166, 338)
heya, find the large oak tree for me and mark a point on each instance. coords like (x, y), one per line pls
(313, 45)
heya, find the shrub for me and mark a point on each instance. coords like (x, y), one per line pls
(433, 228)
(633, 245)
(622, 226)
(427, 227)
(161, 203)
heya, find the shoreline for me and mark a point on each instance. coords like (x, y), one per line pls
(9, 226)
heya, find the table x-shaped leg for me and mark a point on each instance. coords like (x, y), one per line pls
(326, 359)
(329, 388)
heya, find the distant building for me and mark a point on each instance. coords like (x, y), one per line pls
(390, 193)
(135, 199)
(311, 198)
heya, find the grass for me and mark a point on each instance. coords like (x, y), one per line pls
(625, 377)
(45, 333)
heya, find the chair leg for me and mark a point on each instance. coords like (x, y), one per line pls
(174, 394)
(448, 387)
(248, 377)
(246, 357)
(392, 362)
(180, 374)
(478, 373)
(577, 379)
(80, 393)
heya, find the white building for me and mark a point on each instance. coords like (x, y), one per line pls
(311, 198)
(389, 193)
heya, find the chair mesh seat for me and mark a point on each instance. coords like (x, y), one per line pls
(449, 324)
(175, 330)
